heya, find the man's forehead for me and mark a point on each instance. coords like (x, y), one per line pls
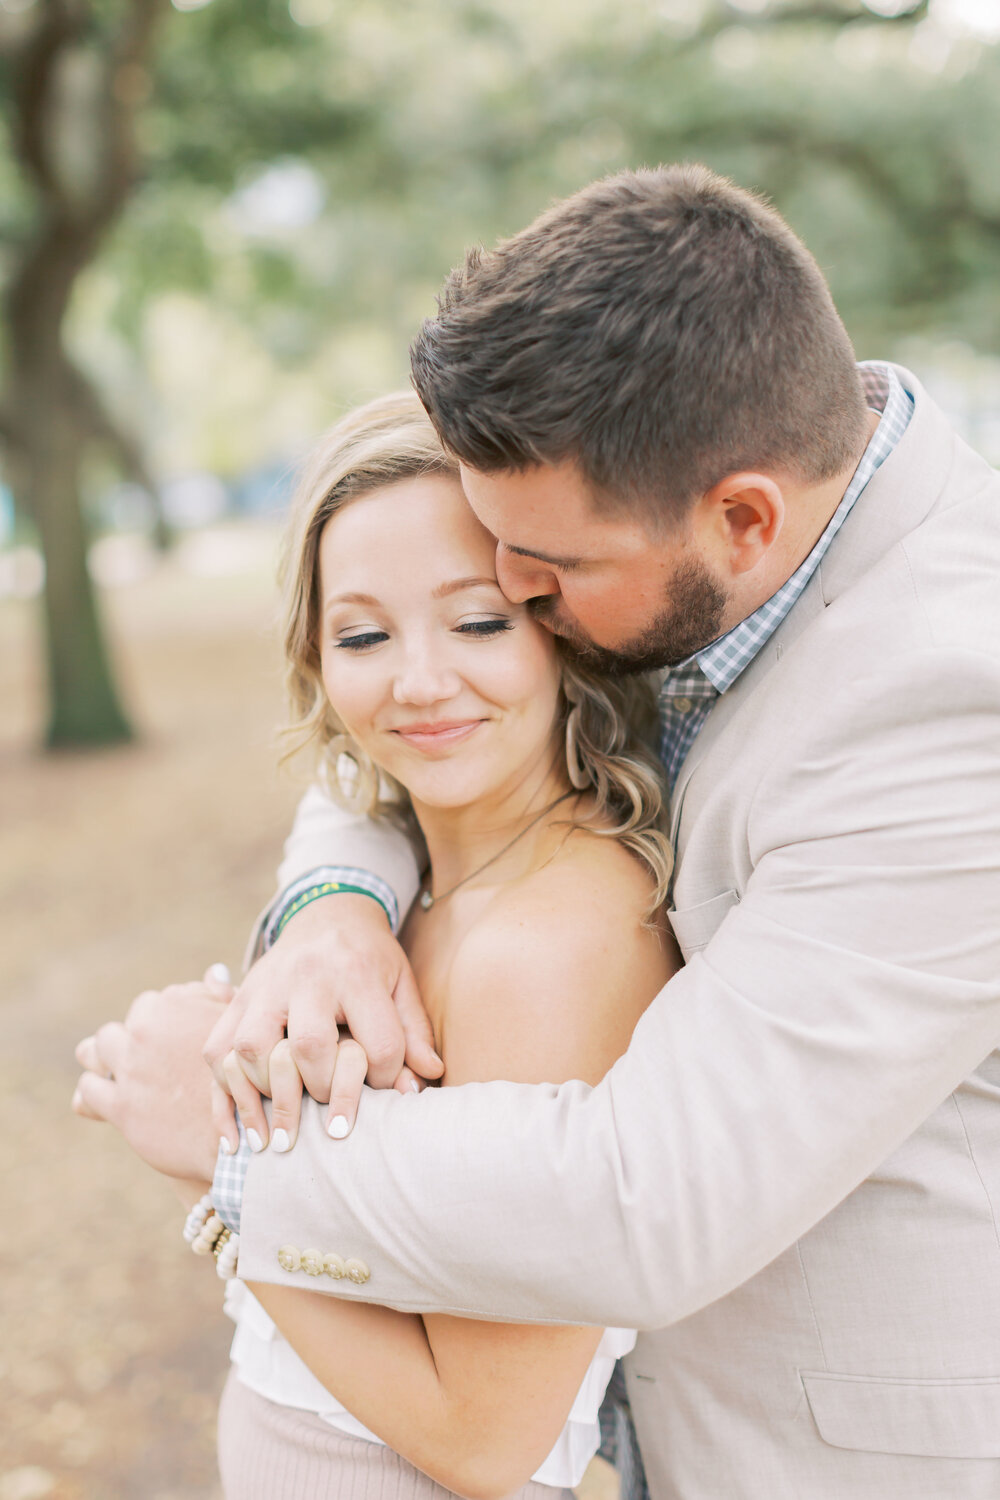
(545, 512)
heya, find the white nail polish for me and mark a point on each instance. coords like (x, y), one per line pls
(414, 1086)
(224, 1146)
(280, 1141)
(221, 973)
(255, 1142)
(338, 1127)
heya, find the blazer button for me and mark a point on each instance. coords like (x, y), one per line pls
(357, 1272)
(334, 1265)
(289, 1258)
(312, 1262)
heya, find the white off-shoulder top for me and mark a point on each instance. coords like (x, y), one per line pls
(267, 1364)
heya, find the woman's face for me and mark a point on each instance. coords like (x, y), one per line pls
(447, 685)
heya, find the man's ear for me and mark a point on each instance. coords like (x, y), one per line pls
(746, 512)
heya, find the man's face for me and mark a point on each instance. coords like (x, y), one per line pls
(624, 598)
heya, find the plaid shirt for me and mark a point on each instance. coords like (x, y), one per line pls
(690, 689)
(687, 694)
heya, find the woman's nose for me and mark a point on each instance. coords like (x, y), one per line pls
(424, 679)
(522, 577)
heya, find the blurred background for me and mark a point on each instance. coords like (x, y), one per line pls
(221, 222)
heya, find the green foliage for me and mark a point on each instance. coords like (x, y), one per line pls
(431, 126)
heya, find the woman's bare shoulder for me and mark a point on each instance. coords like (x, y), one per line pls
(561, 965)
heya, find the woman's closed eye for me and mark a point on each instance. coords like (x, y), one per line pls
(362, 641)
(484, 629)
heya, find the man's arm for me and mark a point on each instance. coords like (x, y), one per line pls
(332, 961)
(326, 836)
(848, 994)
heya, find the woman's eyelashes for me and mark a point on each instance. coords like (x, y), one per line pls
(362, 641)
(365, 640)
(484, 628)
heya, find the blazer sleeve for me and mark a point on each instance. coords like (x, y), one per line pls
(846, 995)
(324, 834)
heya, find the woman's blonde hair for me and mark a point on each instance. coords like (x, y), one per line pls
(615, 721)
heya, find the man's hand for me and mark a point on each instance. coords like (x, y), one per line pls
(336, 963)
(148, 1078)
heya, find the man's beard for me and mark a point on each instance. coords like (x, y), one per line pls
(692, 620)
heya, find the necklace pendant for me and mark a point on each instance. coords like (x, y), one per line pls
(426, 900)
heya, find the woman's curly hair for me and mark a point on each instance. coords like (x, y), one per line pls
(381, 443)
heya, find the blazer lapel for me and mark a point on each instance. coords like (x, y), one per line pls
(894, 502)
(726, 709)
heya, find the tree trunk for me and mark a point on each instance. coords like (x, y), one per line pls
(83, 703)
(49, 413)
(46, 455)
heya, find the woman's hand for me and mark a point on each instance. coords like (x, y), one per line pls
(336, 964)
(285, 1089)
(147, 1077)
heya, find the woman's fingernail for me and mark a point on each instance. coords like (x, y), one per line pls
(254, 1140)
(225, 1145)
(414, 1086)
(221, 973)
(76, 1099)
(338, 1127)
(280, 1140)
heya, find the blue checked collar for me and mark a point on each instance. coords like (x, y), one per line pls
(724, 660)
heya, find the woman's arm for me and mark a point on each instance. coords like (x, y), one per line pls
(479, 1405)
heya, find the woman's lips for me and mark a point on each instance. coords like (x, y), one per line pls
(438, 736)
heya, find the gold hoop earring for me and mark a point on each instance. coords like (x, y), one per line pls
(578, 777)
(357, 790)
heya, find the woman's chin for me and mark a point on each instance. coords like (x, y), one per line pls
(449, 786)
(448, 797)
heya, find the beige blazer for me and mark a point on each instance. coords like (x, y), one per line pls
(792, 1179)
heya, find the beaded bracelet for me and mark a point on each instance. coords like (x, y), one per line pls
(227, 1252)
(198, 1218)
(205, 1232)
(314, 892)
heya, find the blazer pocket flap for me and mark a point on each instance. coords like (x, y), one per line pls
(923, 1418)
(694, 926)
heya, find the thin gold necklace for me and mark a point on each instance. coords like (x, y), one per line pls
(427, 900)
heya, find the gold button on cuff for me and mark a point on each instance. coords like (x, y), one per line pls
(334, 1265)
(312, 1262)
(357, 1272)
(289, 1258)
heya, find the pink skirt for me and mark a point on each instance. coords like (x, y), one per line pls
(271, 1452)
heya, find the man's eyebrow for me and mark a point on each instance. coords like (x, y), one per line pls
(553, 562)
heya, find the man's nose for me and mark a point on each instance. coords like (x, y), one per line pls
(523, 578)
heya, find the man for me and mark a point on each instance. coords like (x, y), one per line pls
(790, 1181)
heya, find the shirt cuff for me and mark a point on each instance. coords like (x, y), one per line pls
(345, 875)
(229, 1182)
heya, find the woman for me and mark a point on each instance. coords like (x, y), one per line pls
(535, 942)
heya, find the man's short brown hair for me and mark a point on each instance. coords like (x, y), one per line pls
(661, 329)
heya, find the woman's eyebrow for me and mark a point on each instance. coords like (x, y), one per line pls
(349, 599)
(457, 584)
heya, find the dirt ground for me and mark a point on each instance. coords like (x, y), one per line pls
(119, 871)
